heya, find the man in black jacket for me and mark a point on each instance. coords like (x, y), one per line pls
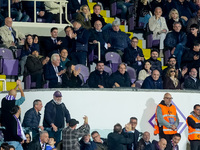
(101, 143)
(192, 82)
(118, 141)
(98, 78)
(155, 64)
(54, 116)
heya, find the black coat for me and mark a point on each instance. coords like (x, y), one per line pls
(168, 84)
(123, 80)
(71, 82)
(189, 83)
(74, 5)
(96, 79)
(94, 18)
(155, 65)
(35, 145)
(118, 141)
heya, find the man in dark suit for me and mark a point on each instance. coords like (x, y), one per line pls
(80, 43)
(97, 34)
(53, 72)
(192, 82)
(174, 142)
(118, 141)
(74, 6)
(40, 144)
(52, 44)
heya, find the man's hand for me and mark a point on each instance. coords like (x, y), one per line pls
(100, 86)
(61, 72)
(41, 13)
(164, 31)
(45, 61)
(133, 85)
(128, 127)
(95, 41)
(184, 71)
(76, 72)
(55, 129)
(127, 1)
(74, 35)
(116, 84)
(172, 51)
(41, 127)
(22, 142)
(108, 45)
(184, 18)
(196, 57)
(59, 42)
(173, 127)
(85, 118)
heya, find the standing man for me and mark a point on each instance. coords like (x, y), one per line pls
(98, 78)
(166, 119)
(55, 115)
(32, 118)
(9, 101)
(71, 135)
(193, 122)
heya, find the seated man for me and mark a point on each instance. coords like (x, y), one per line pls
(101, 143)
(97, 16)
(118, 141)
(11, 37)
(174, 142)
(160, 145)
(120, 78)
(32, 118)
(144, 143)
(133, 55)
(194, 20)
(53, 72)
(176, 41)
(86, 143)
(34, 65)
(98, 78)
(192, 82)
(63, 58)
(191, 58)
(155, 64)
(157, 24)
(97, 34)
(79, 43)
(153, 82)
(118, 39)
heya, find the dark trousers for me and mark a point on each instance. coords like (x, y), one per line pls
(38, 79)
(195, 145)
(168, 137)
(79, 57)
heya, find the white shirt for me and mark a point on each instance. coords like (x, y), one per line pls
(56, 70)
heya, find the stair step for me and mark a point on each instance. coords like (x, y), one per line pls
(146, 52)
(109, 20)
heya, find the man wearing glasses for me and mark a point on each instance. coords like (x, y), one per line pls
(193, 122)
(166, 119)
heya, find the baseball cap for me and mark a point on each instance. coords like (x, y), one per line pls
(57, 94)
(73, 122)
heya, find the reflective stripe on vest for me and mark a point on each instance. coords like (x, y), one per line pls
(193, 134)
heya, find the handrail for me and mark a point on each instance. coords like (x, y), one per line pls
(99, 51)
(35, 21)
(4, 84)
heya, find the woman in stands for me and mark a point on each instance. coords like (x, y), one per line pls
(174, 17)
(84, 17)
(171, 81)
(145, 72)
(70, 78)
(25, 52)
(35, 39)
(26, 143)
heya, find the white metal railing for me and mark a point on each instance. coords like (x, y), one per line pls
(4, 84)
(35, 20)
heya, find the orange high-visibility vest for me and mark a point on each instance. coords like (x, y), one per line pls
(169, 113)
(193, 134)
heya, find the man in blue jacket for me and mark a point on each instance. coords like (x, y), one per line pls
(32, 118)
(153, 82)
(55, 115)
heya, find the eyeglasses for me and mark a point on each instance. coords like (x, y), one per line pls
(134, 41)
(168, 97)
(172, 71)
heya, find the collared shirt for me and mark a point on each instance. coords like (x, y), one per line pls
(54, 40)
(42, 145)
(79, 1)
(10, 28)
(56, 70)
(195, 79)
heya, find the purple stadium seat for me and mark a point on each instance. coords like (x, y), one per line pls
(138, 83)
(150, 42)
(29, 85)
(167, 54)
(9, 65)
(84, 73)
(114, 60)
(108, 70)
(131, 24)
(132, 73)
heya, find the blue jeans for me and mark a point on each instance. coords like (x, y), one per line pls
(107, 27)
(16, 144)
(144, 19)
(56, 135)
(124, 8)
(178, 53)
(19, 16)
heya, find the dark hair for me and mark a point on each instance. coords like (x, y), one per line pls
(35, 102)
(63, 49)
(29, 135)
(34, 36)
(154, 50)
(194, 26)
(176, 22)
(94, 132)
(26, 44)
(177, 134)
(117, 128)
(14, 110)
(197, 105)
(52, 138)
(133, 118)
(4, 146)
(98, 62)
(11, 146)
(54, 28)
(134, 38)
(196, 43)
(96, 6)
(67, 28)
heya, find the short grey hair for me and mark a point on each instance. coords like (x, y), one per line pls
(35, 102)
(115, 23)
(54, 56)
(43, 132)
(176, 22)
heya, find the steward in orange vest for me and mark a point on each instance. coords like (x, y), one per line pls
(193, 122)
(166, 119)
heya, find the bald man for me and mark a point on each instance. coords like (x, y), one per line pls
(9, 101)
(166, 119)
(160, 145)
(11, 37)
